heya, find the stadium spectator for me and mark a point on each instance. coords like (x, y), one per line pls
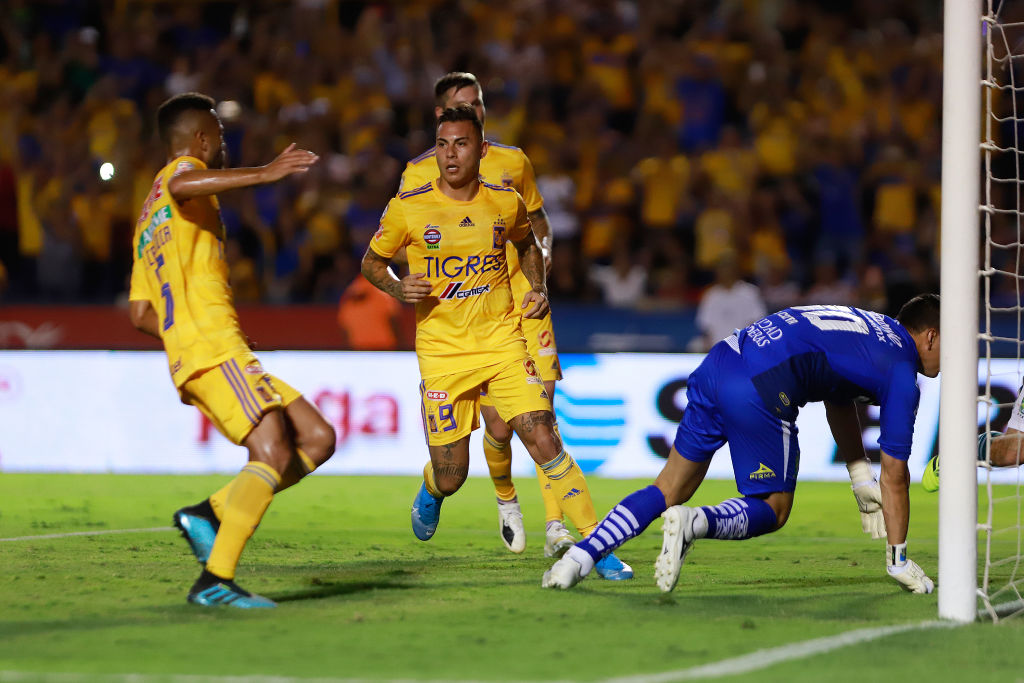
(727, 305)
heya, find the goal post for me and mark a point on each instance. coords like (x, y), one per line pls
(961, 166)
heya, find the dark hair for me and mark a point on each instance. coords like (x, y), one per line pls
(920, 313)
(462, 112)
(455, 79)
(170, 112)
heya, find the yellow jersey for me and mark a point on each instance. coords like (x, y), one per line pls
(179, 268)
(503, 165)
(469, 320)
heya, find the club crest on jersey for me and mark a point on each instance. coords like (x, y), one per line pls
(437, 395)
(467, 222)
(506, 179)
(532, 376)
(432, 236)
(454, 290)
(499, 234)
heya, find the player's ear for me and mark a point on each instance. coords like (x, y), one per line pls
(437, 112)
(483, 147)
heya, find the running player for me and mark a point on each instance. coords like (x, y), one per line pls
(509, 167)
(468, 334)
(180, 295)
(747, 392)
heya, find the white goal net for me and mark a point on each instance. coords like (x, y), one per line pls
(1001, 575)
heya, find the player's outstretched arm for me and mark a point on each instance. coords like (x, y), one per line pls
(143, 317)
(204, 182)
(411, 289)
(896, 507)
(531, 263)
(845, 425)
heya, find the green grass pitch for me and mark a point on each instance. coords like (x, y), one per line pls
(361, 598)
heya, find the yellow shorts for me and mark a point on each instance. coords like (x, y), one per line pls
(451, 403)
(236, 394)
(540, 342)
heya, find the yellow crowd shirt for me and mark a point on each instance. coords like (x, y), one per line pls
(469, 320)
(179, 268)
(502, 165)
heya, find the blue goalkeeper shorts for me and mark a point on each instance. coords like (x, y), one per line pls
(723, 406)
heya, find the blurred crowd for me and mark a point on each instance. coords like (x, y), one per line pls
(679, 145)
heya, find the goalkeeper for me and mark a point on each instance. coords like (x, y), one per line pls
(994, 448)
(747, 392)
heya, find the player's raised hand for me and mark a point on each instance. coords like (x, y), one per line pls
(291, 160)
(536, 304)
(415, 288)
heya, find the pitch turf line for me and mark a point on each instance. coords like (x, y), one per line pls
(761, 659)
(71, 534)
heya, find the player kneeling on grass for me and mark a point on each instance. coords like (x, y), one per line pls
(468, 332)
(180, 295)
(747, 392)
(994, 448)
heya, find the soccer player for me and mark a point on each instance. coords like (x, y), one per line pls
(509, 167)
(1004, 449)
(468, 334)
(747, 392)
(180, 294)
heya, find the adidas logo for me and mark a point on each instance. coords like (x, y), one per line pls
(466, 223)
(762, 472)
(573, 492)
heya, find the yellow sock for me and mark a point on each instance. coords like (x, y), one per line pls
(297, 469)
(499, 463)
(570, 488)
(248, 498)
(219, 499)
(552, 512)
(428, 479)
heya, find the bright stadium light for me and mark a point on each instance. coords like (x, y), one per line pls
(106, 171)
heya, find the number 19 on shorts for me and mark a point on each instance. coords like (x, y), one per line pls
(444, 421)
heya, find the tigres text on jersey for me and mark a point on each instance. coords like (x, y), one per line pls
(179, 268)
(469, 320)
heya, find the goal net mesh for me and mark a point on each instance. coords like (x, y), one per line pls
(1001, 579)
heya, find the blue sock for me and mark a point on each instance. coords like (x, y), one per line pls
(739, 518)
(626, 520)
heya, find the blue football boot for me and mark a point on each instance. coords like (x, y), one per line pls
(198, 525)
(613, 569)
(426, 511)
(211, 591)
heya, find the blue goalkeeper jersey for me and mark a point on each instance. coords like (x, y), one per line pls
(835, 353)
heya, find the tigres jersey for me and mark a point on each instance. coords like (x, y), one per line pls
(469, 320)
(179, 268)
(502, 165)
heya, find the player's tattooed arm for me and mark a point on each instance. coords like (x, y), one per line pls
(411, 289)
(542, 229)
(535, 302)
(143, 317)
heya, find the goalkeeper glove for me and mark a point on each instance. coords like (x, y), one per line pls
(906, 572)
(869, 498)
